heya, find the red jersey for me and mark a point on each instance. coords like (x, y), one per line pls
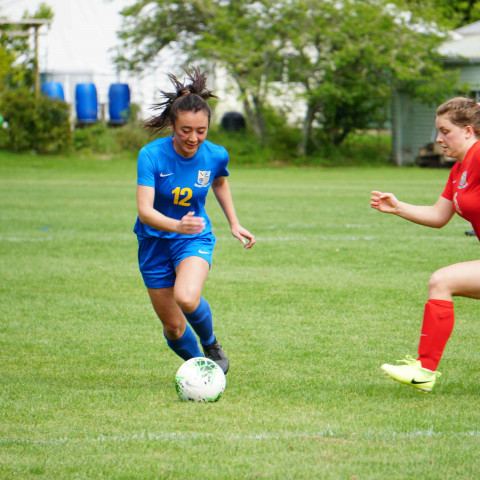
(463, 187)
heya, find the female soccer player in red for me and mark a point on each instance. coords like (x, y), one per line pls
(458, 125)
(174, 232)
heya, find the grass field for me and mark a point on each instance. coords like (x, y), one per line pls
(331, 291)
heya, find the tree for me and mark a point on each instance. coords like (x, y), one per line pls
(242, 36)
(455, 13)
(350, 56)
(34, 122)
(6, 62)
(342, 59)
(17, 58)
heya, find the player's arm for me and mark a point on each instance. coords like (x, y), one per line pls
(223, 194)
(189, 224)
(435, 216)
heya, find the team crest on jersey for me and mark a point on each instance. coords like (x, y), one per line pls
(463, 181)
(203, 178)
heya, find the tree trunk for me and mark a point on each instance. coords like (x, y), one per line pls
(256, 118)
(254, 112)
(306, 131)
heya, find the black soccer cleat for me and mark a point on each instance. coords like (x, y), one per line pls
(214, 352)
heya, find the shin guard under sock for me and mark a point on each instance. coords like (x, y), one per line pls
(438, 320)
(202, 322)
(186, 346)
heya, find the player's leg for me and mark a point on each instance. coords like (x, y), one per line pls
(180, 337)
(191, 274)
(458, 280)
(158, 275)
(461, 279)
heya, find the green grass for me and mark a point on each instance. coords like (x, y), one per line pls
(332, 290)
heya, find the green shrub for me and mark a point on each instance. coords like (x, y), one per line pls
(37, 124)
(370, 148)
(242, 146)
(101, 139)
(54, 133)
(93, 138)
(130, 138)
(281, 136)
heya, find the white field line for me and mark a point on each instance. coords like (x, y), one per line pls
(304, 238)
(26, 239)
(260, 239)
(181, 436)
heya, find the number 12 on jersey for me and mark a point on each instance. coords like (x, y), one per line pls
(182, 196)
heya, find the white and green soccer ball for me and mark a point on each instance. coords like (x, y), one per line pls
(200, 380)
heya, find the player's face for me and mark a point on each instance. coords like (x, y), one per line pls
(189, 132)
(452, 138)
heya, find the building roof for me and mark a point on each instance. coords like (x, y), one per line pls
(463, 43)
(471, 29)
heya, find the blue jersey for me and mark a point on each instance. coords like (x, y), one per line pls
(181, 184)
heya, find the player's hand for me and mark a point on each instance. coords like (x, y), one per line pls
(384, 202)
(243, 235)
(191, 225)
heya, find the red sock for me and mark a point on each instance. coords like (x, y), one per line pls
(437, 326)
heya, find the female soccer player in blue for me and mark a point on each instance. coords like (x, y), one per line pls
(173, 230)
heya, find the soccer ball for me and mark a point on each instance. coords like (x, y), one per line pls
(200, 380)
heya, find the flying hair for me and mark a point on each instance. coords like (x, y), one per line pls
(190, 96)
(462, 112)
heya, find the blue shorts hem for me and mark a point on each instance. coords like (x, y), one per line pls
(158, 258)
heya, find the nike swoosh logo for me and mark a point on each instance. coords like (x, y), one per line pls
(166, 174)
(414, 382)
(205, 253)
(190, 384)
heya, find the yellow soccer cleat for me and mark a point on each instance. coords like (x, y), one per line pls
(412, 373)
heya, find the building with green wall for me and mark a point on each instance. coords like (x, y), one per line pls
(413, 122)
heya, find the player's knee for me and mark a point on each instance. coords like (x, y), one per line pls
(187, 301)
(437, 283)
(173, 332)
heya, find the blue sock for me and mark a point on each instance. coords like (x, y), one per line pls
(186, 346)
(202, 322)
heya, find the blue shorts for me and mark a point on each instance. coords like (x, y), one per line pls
(158, 257)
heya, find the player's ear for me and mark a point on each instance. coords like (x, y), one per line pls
(171, 126)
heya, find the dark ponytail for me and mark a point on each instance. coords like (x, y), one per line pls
(190, 97)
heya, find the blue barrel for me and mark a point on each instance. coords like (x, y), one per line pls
(86, 102)
(53, 90)
(119, 102)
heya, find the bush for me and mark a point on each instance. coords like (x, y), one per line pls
(368, 148)
(93, 138)
(130, 138)
(242, 146)
(38, 124)
(98, 138)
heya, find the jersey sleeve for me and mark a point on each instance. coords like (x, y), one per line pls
(222, 170)
(448, 190)
(145, 169)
